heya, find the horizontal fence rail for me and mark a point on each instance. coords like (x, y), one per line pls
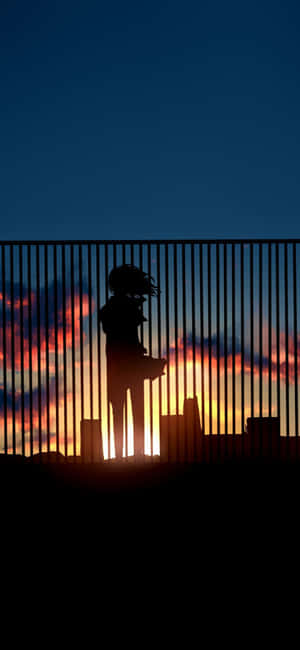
(225, 319)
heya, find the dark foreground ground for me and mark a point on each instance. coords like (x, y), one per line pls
(235, 487)
(154, 520)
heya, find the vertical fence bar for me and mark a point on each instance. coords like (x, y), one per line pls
(159, 327)
(218, 344)
(295, 340)
(225, 346)
(260, 344)
(286, 291)
(150, 352)
(194, 452)
(81, 337)
(184, 320)
(278, 330)
(90, 340)
(22, 345)
(38, 307)
(107, 395)
(209, 340)
(218, 338)
(125, 405)
(90, 334)
(193, 317)
(12, 356)
(56, 350)
(242, 350)
(64, 348)
(233, 339)
(202, 339)
(99, 337)
(142, 324)
(176, 345)
(47, 347)
(132, 264)
(251, 331)
(30, 345)
(126, 393)
(73, 352)
(183, 278)
(270, 327)
(4, 348)
(115, 265)
(167, 307)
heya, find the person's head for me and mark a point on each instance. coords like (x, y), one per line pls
(129, 279)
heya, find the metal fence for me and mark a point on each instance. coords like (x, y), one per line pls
(226, 319)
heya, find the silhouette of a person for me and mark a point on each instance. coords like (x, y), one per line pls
(127, 365)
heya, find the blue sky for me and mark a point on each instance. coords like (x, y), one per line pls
(149, 120)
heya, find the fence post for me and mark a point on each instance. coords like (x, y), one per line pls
(91, 441)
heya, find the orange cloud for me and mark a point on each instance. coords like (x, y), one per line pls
(35, 349)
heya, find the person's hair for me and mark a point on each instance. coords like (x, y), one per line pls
(130, 279)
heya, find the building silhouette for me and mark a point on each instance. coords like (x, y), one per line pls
(182, 439)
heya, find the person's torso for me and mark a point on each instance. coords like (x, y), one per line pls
(121, 317)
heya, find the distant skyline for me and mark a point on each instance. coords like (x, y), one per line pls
(162, 120)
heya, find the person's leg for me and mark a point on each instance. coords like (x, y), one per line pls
(137, 400)
(117, 407)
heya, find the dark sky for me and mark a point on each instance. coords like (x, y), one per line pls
(159, 119)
